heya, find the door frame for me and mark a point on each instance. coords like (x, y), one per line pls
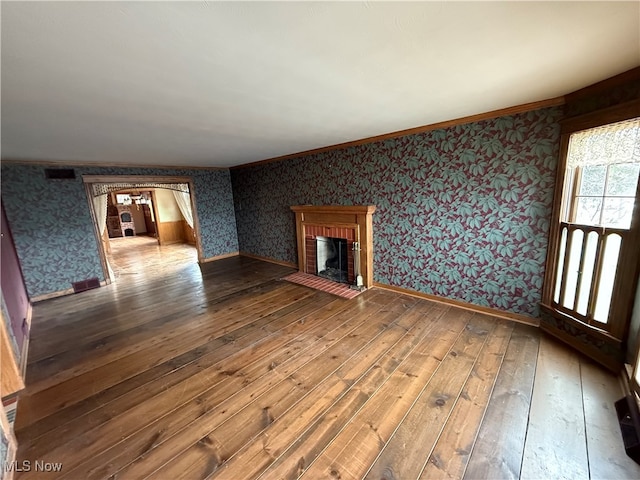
(137, 181)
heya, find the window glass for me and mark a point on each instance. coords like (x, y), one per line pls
(593, 180)
(605, 161)
(589, 263)
(123, 199)
(588, 210)
(623, 179)
(617, 212)
(563, 247)
(607, 278)
(572, 268)
(606, 194)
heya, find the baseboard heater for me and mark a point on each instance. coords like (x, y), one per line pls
(85, 285)
(629, 420)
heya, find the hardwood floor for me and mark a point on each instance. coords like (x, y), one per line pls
(127, 253)
(227, 372)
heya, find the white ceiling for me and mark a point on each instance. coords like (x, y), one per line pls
(221, 84)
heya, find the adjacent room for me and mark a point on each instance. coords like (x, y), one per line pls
(343, 240)
(145, 230)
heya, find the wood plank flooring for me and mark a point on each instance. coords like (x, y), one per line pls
(126, 253)
(224, 371)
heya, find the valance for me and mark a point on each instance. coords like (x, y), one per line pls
(102, 188)
(606, 145)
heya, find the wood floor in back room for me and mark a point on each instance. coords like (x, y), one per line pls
(225, 371)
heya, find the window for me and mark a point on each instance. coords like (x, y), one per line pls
(605, 194)
(602, 169)
(596, 215)
(123, 199)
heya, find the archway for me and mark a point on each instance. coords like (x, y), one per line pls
(100, 187)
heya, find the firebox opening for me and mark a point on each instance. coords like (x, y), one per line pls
(331, 254)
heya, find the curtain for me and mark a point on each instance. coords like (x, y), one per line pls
(100, 207)
(606, 145)
(184, 203)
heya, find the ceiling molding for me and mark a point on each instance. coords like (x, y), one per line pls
(69, 163)
(527, 107)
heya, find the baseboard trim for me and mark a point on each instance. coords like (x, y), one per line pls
(172, 242)
(49, 296)
(60, 293)
(219, 257)
(515, 317)
(270, 260)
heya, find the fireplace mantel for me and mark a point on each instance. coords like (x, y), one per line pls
(356, 220)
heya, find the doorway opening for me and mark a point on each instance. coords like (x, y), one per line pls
(146, 226)
(131, 213)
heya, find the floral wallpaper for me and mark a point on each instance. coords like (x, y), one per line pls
(462, 212)
(53, 231)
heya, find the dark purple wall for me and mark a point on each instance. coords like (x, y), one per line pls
(14, 291)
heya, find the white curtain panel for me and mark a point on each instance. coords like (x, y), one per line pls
(184, 203)
(100, 207)
(613, 143)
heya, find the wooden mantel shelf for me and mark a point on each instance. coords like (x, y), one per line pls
(327, 209)
(357, 219)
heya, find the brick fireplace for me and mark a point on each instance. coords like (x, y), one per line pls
(312, 232)
(351, 223)
(127, 226)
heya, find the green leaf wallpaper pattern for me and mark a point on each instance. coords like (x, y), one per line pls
(53, 231)
(462, 212)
